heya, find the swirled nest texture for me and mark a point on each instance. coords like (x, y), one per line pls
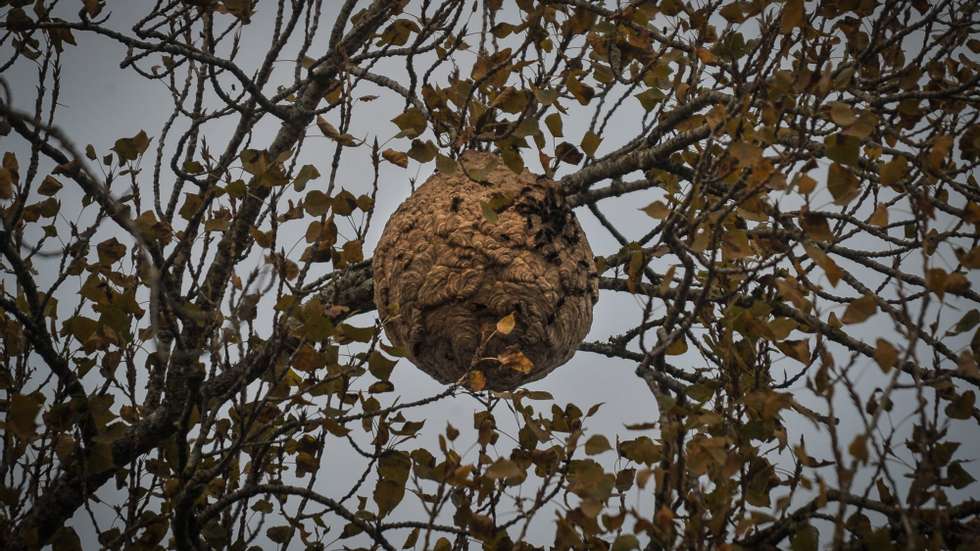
(470, 248)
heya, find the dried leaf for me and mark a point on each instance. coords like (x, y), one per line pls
(879, 217)
(597, 444)
(860, 309)
(590, 143)
(411, 123)
(886, 355)
(893, 171)
(516, 360)
(844, 186)
(49, 186)
(476, 380)
(657, 209)
(553, 122)
(792, 16)
(506, 324)
(842, 114)
(395, 157)
(21, 411)
(503, 468)
(966, 323)
(331, 132)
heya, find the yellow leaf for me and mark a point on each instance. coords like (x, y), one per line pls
(707, 57)
(506, 324)
(476, 381)
(516, 360)
(395, 157)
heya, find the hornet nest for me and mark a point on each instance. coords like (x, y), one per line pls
(468, 249)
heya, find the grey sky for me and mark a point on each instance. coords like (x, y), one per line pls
(100, 103)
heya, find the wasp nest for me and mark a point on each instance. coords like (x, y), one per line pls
(471, 248)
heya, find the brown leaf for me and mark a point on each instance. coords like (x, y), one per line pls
(129, 149)
(411, 123)
(678, 347)
(331, 132)
(842, 183)
(706, 56)
(879, 217)
(792, 16)
(657, 209)
(842, 114)
(395, 157)
(590, 143)
(7, 182)
(799, 350)
(554, 124)
(843, 148)
(49, 186)
(503, 468)
(859, 448)
(388, 494)
(21, 411)
(597, 444)
(445, 165)
(747, 154)
(962, 406)
(816, 226)
(886, 355)
(860, 309)
(805, 184)
(936, 281)
(893, 171)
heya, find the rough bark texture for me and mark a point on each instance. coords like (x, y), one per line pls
(445, 273)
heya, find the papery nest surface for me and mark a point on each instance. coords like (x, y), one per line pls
(468, 249)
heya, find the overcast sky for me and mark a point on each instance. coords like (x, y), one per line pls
(100, 103)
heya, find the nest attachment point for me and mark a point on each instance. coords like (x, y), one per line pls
(471, 248)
